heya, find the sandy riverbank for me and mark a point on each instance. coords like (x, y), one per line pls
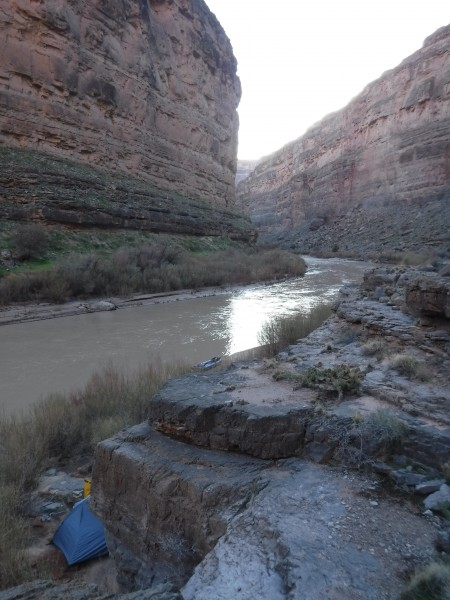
(19, 313)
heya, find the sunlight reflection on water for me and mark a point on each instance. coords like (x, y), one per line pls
(40, 357)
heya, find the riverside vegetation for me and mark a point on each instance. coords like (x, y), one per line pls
(56, 430)
(153, 264)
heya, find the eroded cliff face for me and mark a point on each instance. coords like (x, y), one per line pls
(145, 87)
(383, 159)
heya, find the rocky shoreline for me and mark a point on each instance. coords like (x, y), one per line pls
(239, 480)
(320, 473)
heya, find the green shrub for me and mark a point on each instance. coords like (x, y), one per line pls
(29, 241)
(279, 332)
(430, 583)
(409, 366)
(336, 380)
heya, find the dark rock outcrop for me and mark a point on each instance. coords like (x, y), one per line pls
(212, 415)
(372, 177)
(429, 296)
(184, 498)
(49, 590)
(144, 87)
(273, 530)
(37, 187)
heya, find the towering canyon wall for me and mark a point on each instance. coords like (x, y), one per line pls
(144, 87)
(382, 160)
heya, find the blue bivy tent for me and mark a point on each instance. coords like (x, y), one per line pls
(81, 535)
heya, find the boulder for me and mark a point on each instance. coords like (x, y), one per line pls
(440, 500)
(429, 296)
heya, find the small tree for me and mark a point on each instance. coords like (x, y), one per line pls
(29, 241)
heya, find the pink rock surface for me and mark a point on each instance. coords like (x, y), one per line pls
(144, 87)
(389, 147)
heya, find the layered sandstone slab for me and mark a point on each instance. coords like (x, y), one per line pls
(227, 526)
(374, 174)
(146, 87)
(166, 503)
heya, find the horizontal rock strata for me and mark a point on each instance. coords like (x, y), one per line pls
(183, 497)
(51, 590)
(374, 176)
(39, 188)
(284, 530)
(211, 414)
(145, 87)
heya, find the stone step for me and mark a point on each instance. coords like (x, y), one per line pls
(236, 410)
(145, 482)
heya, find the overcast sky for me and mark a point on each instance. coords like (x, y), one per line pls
(299, 60)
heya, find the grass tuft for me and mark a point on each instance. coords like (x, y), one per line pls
(373, 348)
(279, 332)
(385, 428)
(405, 364)
(14, 536)
(409, 366)
(430, 583)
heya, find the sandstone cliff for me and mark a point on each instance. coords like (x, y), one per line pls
(145, 87)
(374, 175)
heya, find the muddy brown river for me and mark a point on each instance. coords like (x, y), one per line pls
(41, 357)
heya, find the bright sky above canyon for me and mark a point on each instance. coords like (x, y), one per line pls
(299, 60)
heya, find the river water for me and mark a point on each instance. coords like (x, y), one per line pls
(40, 357)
